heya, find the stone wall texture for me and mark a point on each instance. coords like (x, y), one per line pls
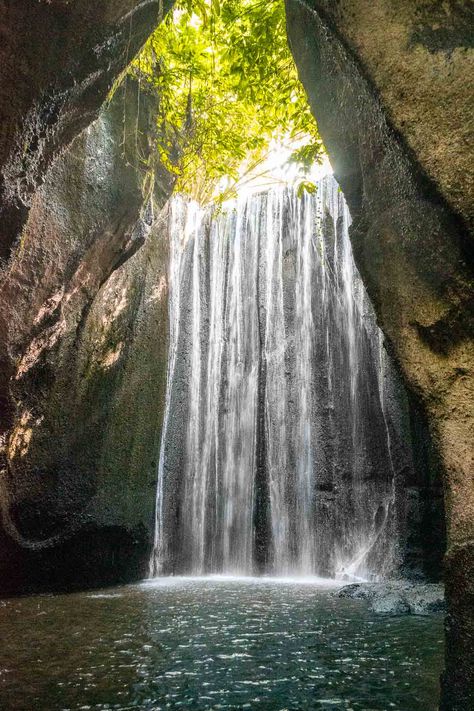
(391, 87)
(84, 322)
(58, 62)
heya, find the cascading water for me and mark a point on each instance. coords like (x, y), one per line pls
(278, 444)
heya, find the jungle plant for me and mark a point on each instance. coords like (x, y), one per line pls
(227, 88)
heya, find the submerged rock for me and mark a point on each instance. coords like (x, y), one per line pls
(398, 597)
(393, 603)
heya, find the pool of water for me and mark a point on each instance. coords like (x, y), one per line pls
(214, 644)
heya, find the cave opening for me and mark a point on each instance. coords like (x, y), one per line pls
(199, 391)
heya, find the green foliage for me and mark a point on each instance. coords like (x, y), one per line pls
(305, 186)
(227, 86)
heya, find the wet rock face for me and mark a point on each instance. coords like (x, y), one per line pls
(83, 326)
(58, 61)
(398, 597)
(388, 84)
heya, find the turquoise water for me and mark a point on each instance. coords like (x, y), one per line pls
(214, 644)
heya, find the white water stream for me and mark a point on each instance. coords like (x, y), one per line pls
(277, 442)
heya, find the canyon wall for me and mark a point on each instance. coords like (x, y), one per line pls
(83, 310)
(391, 87)
(83, 315)
(58, 61)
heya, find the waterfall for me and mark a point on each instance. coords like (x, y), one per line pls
(282, 419)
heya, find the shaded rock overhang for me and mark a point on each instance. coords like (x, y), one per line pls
(58, 61)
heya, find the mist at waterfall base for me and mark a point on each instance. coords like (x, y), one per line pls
(283, 415)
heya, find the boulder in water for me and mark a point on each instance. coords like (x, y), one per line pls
(398, 597)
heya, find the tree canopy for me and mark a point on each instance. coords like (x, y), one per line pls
(227, 88)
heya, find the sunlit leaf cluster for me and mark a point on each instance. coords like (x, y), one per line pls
(227, 86)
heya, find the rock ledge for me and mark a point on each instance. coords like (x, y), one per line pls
(398, 597)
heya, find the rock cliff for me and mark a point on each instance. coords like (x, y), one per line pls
(390, 86)
(58, 61)
(84, 323)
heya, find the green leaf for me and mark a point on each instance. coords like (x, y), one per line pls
(305, 187)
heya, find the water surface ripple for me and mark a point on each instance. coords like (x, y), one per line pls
(214, 644)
